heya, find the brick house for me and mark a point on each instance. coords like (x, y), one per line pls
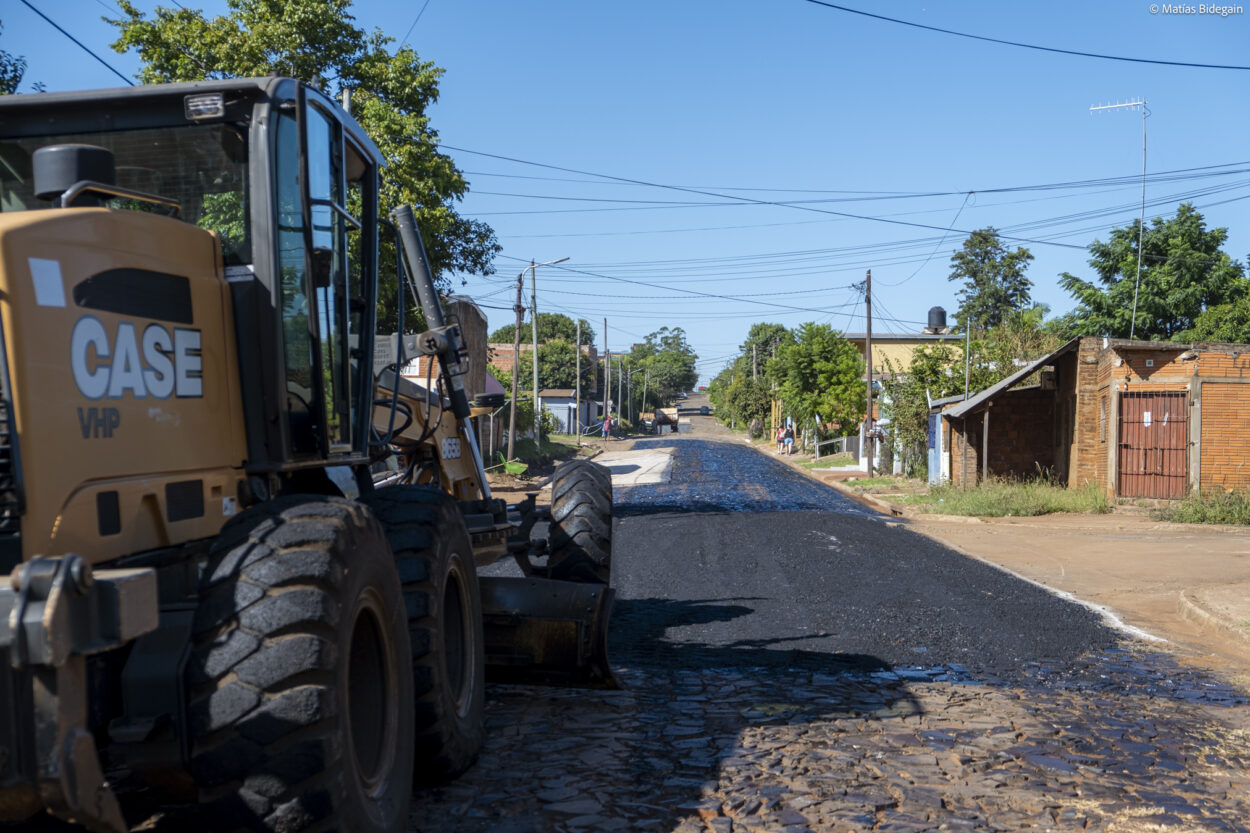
(1140, 418)
(500, 355)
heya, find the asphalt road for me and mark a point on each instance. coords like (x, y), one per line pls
(791, 662)
(739, 561)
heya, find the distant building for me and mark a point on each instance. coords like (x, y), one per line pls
(501, 356)
(561, 404)
(1142, 419)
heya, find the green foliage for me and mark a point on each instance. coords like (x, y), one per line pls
(316, 41)
(668, 362)
(12, 68)
(558, 367)
(931, 374)
(764, 338)
(746, 400)
(994, 283)
(524, 403)
(999, 498)
(551, 325)
(1223, 322)
(1184, 273)
(821, 375)
(1213, 507)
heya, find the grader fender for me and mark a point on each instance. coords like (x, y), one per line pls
(547, 632)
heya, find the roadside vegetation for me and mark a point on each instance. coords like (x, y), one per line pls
(1011, 498)
(1232, 508)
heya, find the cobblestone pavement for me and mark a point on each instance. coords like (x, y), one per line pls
(1128, 741)
(722, 726)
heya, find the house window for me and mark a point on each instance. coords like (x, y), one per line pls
(1102, 419)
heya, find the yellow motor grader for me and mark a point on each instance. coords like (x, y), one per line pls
(210, 600)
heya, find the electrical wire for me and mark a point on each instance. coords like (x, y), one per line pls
(77, 42)
(1021, 45)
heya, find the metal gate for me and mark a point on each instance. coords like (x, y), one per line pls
(1154, 445)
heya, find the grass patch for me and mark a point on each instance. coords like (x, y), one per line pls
(555, 447)
(835, 461)
(1211, 508)
(1010, 498)
(874, 482)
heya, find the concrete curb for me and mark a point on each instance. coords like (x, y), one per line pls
(1192, 610)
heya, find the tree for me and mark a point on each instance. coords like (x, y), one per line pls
(935, 371)
(558, 367)
(1184, 272)
(748, 400)
(994, 281)
(668, 361)
(551, 325)
(1224, 322)
(821, 375)
(12, 68)
(316, 41)
(762, 342)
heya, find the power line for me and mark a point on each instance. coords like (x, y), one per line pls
(80, 44)
(967, 197)
(1025, 45)
(414, 24)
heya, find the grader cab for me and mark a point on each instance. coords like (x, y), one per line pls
(209, 598)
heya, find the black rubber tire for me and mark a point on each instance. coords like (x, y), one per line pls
(299, 696)
(435, 561)
(580, 543)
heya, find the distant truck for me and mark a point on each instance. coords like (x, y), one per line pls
(659, 420)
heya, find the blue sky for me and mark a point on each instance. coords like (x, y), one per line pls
(657, 140)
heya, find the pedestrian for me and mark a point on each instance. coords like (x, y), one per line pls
(789, 440)
(607, 426)
(781, 438)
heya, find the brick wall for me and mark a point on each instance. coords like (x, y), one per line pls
(1091, 429)
(1020, 438)
(1223, 363)
(1225, 463)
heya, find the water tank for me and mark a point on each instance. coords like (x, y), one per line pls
(937, 319)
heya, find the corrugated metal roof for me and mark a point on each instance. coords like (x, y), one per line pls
(989, 393)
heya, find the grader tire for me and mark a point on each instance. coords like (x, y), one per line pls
(300, 696)
(435, 561)
(581, 523)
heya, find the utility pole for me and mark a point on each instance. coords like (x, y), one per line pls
(868, 361)
(620, 386)
(607, 369)
(1141, 229)
(533, 267)
(629, 390)
(538, 437)
(644, 389)
(577, 386)
(755, 363)
(516, 363)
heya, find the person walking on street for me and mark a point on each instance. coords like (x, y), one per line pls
(789, 440)
(781, 439)
(607, 426)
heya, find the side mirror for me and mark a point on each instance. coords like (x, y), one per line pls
(322, 265)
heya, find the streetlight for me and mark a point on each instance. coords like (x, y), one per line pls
(533, 267)
(1141, 230)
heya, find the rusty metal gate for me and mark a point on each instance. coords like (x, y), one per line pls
(1154, 444)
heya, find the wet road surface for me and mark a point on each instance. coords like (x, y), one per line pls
(792, 662)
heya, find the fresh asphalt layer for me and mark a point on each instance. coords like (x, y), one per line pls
(740, 561)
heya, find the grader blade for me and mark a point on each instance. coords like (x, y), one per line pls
(545, 632)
